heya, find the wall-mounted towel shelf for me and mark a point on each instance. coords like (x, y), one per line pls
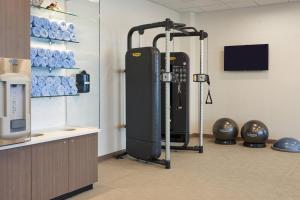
(50, 69)
(52, 41)
(55, 96)
(56, 11)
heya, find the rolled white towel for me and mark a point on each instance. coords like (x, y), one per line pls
(71, 28)
(45, 23)
(37, 22)
(49, 53)
(66, 35)
(52, 62)
(52, 34)
(41, 81)
(56, 54)
(52, 90)
(54, 26)
(65, 81)
(49, 81)
(70, 54)
(44, 33)
(34, 80)
(67, 89)
(45, 62)
(59, 63)
(74, 90)
(73, 37)
(36, 31)
(64, 54)
(33, 53)
(36, 91)
(60, 90)
(59, 35)
(63, 26)
(72, 81)
(37, 61)
(41, 52)
(57, 81)
(72, 62)
(45, 91)
(66, 63)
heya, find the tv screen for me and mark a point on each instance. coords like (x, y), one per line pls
(246, 57)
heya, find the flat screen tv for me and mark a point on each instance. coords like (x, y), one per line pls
(246, 57)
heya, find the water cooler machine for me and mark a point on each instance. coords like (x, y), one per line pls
(15, 86)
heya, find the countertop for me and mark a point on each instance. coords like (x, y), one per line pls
(49, 136)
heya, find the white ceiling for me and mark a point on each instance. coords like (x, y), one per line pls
(214, 5)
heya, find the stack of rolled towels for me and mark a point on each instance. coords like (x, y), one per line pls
(48, 86)
(55, 30)
(52, 58)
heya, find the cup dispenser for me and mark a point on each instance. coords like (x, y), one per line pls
(15, 86)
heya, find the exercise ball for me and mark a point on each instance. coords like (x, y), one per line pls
(225, 131)
(287, 145)
(255, 134)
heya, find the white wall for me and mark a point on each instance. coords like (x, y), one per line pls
(117, 17)
(189, 45)
(84, 110)
(56, 113)
(48, 113)
(273, 96)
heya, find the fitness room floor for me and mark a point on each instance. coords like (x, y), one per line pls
(222, 172)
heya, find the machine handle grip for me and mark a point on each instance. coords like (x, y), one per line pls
(209, 98)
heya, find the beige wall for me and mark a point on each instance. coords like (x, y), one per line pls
(273, 96)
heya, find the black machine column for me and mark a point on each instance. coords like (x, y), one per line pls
(201, 78)
(180, 93)
(143, 97)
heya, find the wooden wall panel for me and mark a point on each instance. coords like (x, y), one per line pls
(15, 28)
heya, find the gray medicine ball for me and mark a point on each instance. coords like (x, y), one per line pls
(255, 134)
(225, 131)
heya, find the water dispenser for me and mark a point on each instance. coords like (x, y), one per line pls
(15, 86)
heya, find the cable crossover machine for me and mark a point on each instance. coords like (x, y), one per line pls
(151, 107)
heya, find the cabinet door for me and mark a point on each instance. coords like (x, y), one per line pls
(83, 169)
(49, 170)
(15, 174)
(15, 28)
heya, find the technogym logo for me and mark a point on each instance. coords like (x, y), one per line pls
(136, 54)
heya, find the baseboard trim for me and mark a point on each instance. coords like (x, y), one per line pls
(111, 155)
(74, 193)
(210, 136)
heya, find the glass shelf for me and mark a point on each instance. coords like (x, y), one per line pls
(56, 11)
(51, 41)
(56, 96)
(56, 68)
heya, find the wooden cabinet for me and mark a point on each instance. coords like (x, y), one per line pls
(49, 170)
(15, 174)
(83, 169)
(15, 28)
(64, 166)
